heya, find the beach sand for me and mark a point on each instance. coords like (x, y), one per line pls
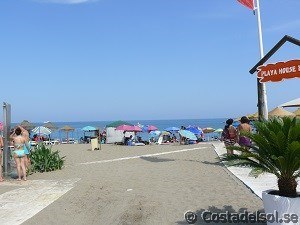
(143, 190)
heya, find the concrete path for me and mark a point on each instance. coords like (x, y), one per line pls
(29, 198)
(262, 183)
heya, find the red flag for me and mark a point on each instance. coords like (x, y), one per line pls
(248, 3)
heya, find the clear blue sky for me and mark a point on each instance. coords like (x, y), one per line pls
(81, 60)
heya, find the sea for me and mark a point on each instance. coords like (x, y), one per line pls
(160, 124)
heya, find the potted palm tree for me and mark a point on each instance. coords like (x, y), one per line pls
(275, 149)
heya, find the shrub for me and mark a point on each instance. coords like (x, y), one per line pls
(43, 159)
(276, 150)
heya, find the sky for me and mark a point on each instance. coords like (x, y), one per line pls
(98, 60)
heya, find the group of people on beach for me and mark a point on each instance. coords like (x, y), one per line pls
(232, 135)
(19, 139)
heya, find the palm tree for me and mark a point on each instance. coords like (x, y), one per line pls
(275, 149)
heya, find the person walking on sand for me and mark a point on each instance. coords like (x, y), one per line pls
(244, 127)
(229, 136)
(1, 152)
(18, 153)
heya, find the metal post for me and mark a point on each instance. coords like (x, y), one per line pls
(261, 87)
(6, 138)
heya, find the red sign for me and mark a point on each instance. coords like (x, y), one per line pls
(279, 71)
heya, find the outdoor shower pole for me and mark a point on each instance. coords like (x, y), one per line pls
(6, 138)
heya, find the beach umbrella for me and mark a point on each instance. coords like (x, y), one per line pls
(1, 126)
(194, 130)
(128, 128)
(297, 112)
(253, 116)
(137, 128)
(154, 133)
(280, 112)
(118, 123)
(220, 130)
(50, 125)
(125, 127)
(149, 128)
(89, 128)
(67, 129)
(41, 130)
(208, 130)
(27, 125)
(165, 133)
(188, 134)
(293, 103)
(170, 129)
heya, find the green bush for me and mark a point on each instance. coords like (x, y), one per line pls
(276, 150)
(43, 159)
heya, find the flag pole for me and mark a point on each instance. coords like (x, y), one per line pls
(261, 87)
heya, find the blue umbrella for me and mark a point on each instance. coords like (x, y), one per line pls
(195, 130)
(169, 129)
(154, 133)
(188, 134)
(89, 128)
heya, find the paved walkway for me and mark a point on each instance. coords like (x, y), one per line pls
(27, 199)
(264, 182)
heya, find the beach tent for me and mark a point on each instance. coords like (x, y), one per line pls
(27, 125)
(50, 125)
(280, 112)
(293, 103)
(118, 123)
(116, 136)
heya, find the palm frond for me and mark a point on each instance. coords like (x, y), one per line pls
(275, 149)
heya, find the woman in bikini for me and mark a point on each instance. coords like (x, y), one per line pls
(229, 136)
(18, 153)
(244, 127)
(25, 134)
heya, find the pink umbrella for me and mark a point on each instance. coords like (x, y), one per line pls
(129, 128)
(149, 128)
(137, 128)
(125, 127)
(1, 126)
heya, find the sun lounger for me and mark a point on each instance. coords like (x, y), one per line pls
(138, 144)
(33, 143)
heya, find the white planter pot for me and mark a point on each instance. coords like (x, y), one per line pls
(281, 208)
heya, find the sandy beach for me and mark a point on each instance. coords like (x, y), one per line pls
(141, 185)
